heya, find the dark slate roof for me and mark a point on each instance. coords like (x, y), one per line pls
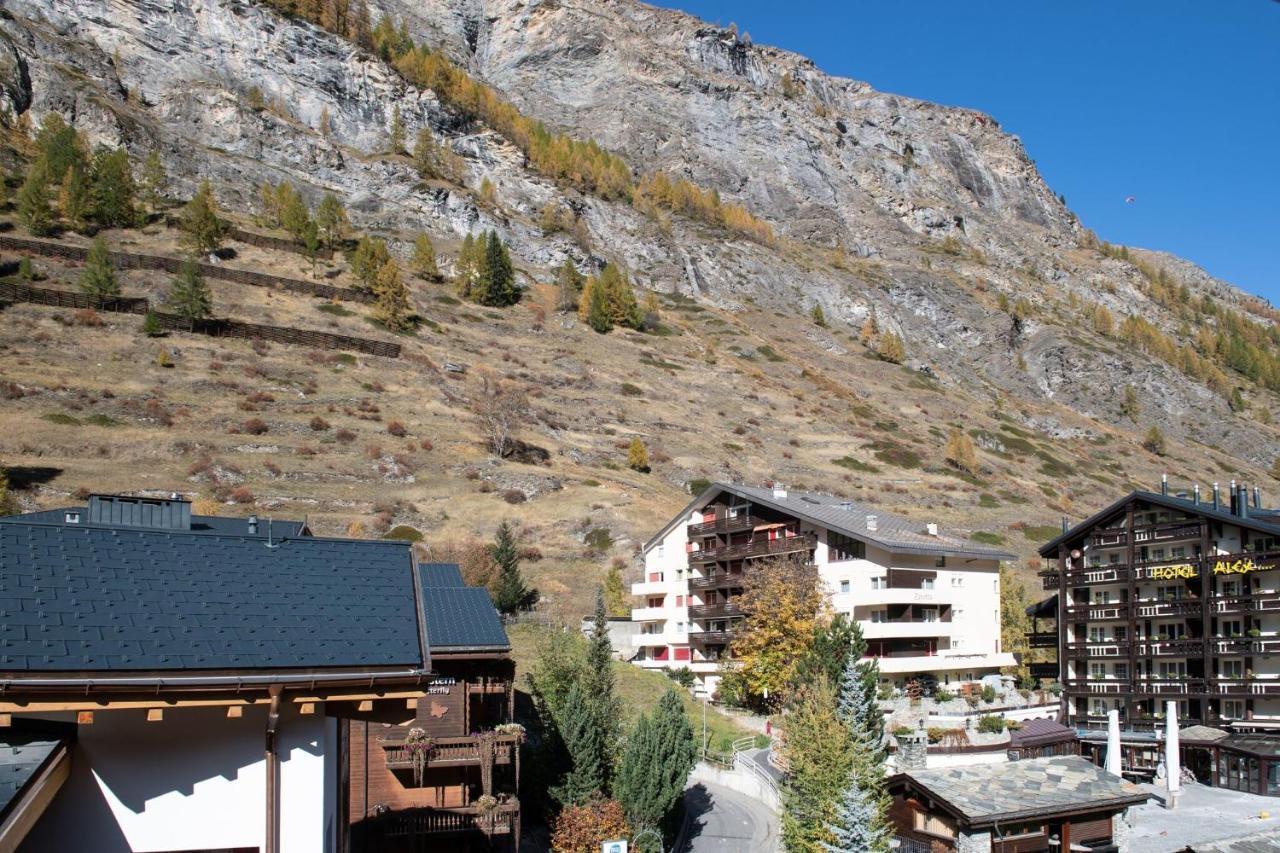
(460, 618)
(985, 793)
(91, 599)
(1263, 745)
(1264, 524)
(1040, 731)
(228, 526)
(1046, 609)
(441, 574)
(22, 756)
(893, 533)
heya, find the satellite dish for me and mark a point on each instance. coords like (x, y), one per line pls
(1075, 553)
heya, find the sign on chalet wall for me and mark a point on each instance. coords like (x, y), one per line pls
(442, 712)
(1168, 573)
(1237, 567)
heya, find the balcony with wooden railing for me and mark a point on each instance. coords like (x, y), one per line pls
(716, 580)
(719, 610)
(710, 638)
(756, 548)
(502, 819)
(1239, 562)
(728, 524)
(1042, 639)
(448, 751)
(1166, 532)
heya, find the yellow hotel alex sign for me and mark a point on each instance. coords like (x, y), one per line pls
(1237, 567)
(1168, 573)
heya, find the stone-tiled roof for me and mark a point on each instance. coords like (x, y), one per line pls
(1201, 734)
(280, 528)
(21, 757)
(983, 793)
(98, 599)
(894, 533)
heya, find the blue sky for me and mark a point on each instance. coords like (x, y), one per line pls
(1176, 103)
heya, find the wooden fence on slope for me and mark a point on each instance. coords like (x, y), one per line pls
(13, 292)
(132, 260)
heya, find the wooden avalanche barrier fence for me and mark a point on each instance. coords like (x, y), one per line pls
(130, 260)
(13, 292)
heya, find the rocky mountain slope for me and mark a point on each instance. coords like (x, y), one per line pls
(932, 220)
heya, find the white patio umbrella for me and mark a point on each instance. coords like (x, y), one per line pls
(1172, 761)
(1113, 743)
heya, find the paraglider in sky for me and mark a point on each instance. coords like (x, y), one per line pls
(1129, 199)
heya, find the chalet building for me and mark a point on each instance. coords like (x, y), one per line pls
(1031, 806)
(928, 602)
(175, 682)
(451, 775)
(1164, 597)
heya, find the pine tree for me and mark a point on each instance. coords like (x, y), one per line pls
(392, 307)
(891, 349)
(60, 146)
(202, 229)
(499, 288)
(819, 319)
(311, 243)
(113, 189)
(829, 650)
(33, 199)
(660, 754)
(959, 452)
(331, 217)
(593, 306)
(424, 259)
(509, 592)
(397, 132)
(638, 456)
(584, 742)
(155, 181)
(425, 154)
(819, 753)
(294, 216)
(151, 325)
(598, 683)
(73, 197)
(189, 296)
(98, 280)
(858, 824)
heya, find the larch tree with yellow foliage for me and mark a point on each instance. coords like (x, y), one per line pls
(782, 599)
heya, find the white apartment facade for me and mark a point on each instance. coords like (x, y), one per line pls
(928, 603)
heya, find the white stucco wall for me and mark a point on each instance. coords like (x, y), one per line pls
(194, 780)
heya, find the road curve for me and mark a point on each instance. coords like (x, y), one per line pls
(724, 821)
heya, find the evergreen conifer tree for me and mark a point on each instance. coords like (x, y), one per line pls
(189, 296)
(424, 259)
(660, 754)
(98, 280)
(202, 229)
(858, 824)
(819, 318)
(294, 216)
(311, 243)
(584, 743)
(593, 306)
(151, 325)
(598, 682)
(509, 592)
(499, 287)
(6, 499)
(113, 189)
(425, 154)
(33, 199)
(891, 349)
(470, 275)
(392, 307)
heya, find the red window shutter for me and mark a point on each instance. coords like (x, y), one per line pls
(682, 654)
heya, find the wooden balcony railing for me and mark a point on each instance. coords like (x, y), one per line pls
(715, 611)
(1151, 570)
(710, 638)
(409, 823)
(1042, 640)
(716, 580)
(759, 548)
(448, 752)
(723, 525)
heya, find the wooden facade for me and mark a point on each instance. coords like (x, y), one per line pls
(462, 790)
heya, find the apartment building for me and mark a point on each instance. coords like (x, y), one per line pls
(928, 602)
(1164, 597)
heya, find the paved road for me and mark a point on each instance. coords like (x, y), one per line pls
(725, 821)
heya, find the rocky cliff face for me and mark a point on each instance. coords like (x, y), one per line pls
(828, 162)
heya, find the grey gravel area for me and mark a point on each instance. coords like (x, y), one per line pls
(1208, 820)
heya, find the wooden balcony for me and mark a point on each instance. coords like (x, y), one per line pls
(1155, 686)
(723, 525)
(717, 580)
(411, 823)
(1148, 533)
(1042, 639)
(1247, 646)
(721, 610)
(1244, 687)
(710, 638)
(759, 548)
(448, 752)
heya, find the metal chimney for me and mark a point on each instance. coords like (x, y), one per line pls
(1065, 525)
(871, 523)
(1242, 502)
(253, 525)
(1257, 498)
(1164, 484)
(1196, 492)
(1234, 505)
(1217, 500)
